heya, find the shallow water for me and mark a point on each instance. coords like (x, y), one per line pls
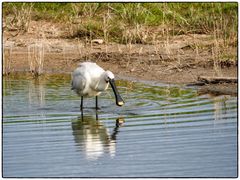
(168, 131)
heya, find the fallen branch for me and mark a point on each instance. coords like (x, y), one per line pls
(214, 80)
(218, 89)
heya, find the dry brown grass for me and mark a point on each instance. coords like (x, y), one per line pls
(36, 53)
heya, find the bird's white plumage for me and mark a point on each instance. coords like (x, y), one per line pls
(89, 79)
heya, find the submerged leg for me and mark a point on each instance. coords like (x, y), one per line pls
(82, 115)
(97, 115)
(81, 106)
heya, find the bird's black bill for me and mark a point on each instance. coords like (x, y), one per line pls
(119, 100)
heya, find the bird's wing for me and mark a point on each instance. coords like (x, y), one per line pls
(78, 82)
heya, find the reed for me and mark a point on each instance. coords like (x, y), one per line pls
(36, 53)
(7, 60)
(20, 17)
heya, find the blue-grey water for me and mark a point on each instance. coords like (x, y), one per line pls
(164, 131)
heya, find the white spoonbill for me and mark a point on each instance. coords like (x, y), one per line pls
(89, 79)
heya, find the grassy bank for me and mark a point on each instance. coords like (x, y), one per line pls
(211, 27)
(129, 22)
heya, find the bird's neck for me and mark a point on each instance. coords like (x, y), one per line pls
(102, 84)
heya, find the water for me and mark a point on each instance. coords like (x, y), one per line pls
(167, 131)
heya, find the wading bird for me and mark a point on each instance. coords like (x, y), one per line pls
(89, 79)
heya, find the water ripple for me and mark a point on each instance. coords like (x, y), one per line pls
(162, 131)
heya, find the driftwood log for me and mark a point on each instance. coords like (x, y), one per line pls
(218, 89)
(214, 80)
(216, 85)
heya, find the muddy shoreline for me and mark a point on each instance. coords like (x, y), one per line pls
(174, 62)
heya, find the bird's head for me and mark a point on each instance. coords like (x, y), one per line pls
(108, 76)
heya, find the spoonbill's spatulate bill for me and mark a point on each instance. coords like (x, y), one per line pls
(89, 79)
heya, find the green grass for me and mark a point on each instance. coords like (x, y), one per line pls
(180, 18)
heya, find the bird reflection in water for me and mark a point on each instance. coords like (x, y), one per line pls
(92, 137)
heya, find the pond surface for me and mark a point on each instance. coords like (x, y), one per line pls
(167, 131)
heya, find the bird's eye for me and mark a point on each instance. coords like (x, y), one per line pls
(107, 80)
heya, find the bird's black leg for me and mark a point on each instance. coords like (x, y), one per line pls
(97, 108)
(81, 106)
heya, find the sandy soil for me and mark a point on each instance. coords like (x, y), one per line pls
(173, 61)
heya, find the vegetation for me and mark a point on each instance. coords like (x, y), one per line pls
(129, 22)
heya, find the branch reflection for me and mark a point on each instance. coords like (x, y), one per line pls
(93, 138)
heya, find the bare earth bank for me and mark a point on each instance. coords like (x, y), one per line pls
(174, 62)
